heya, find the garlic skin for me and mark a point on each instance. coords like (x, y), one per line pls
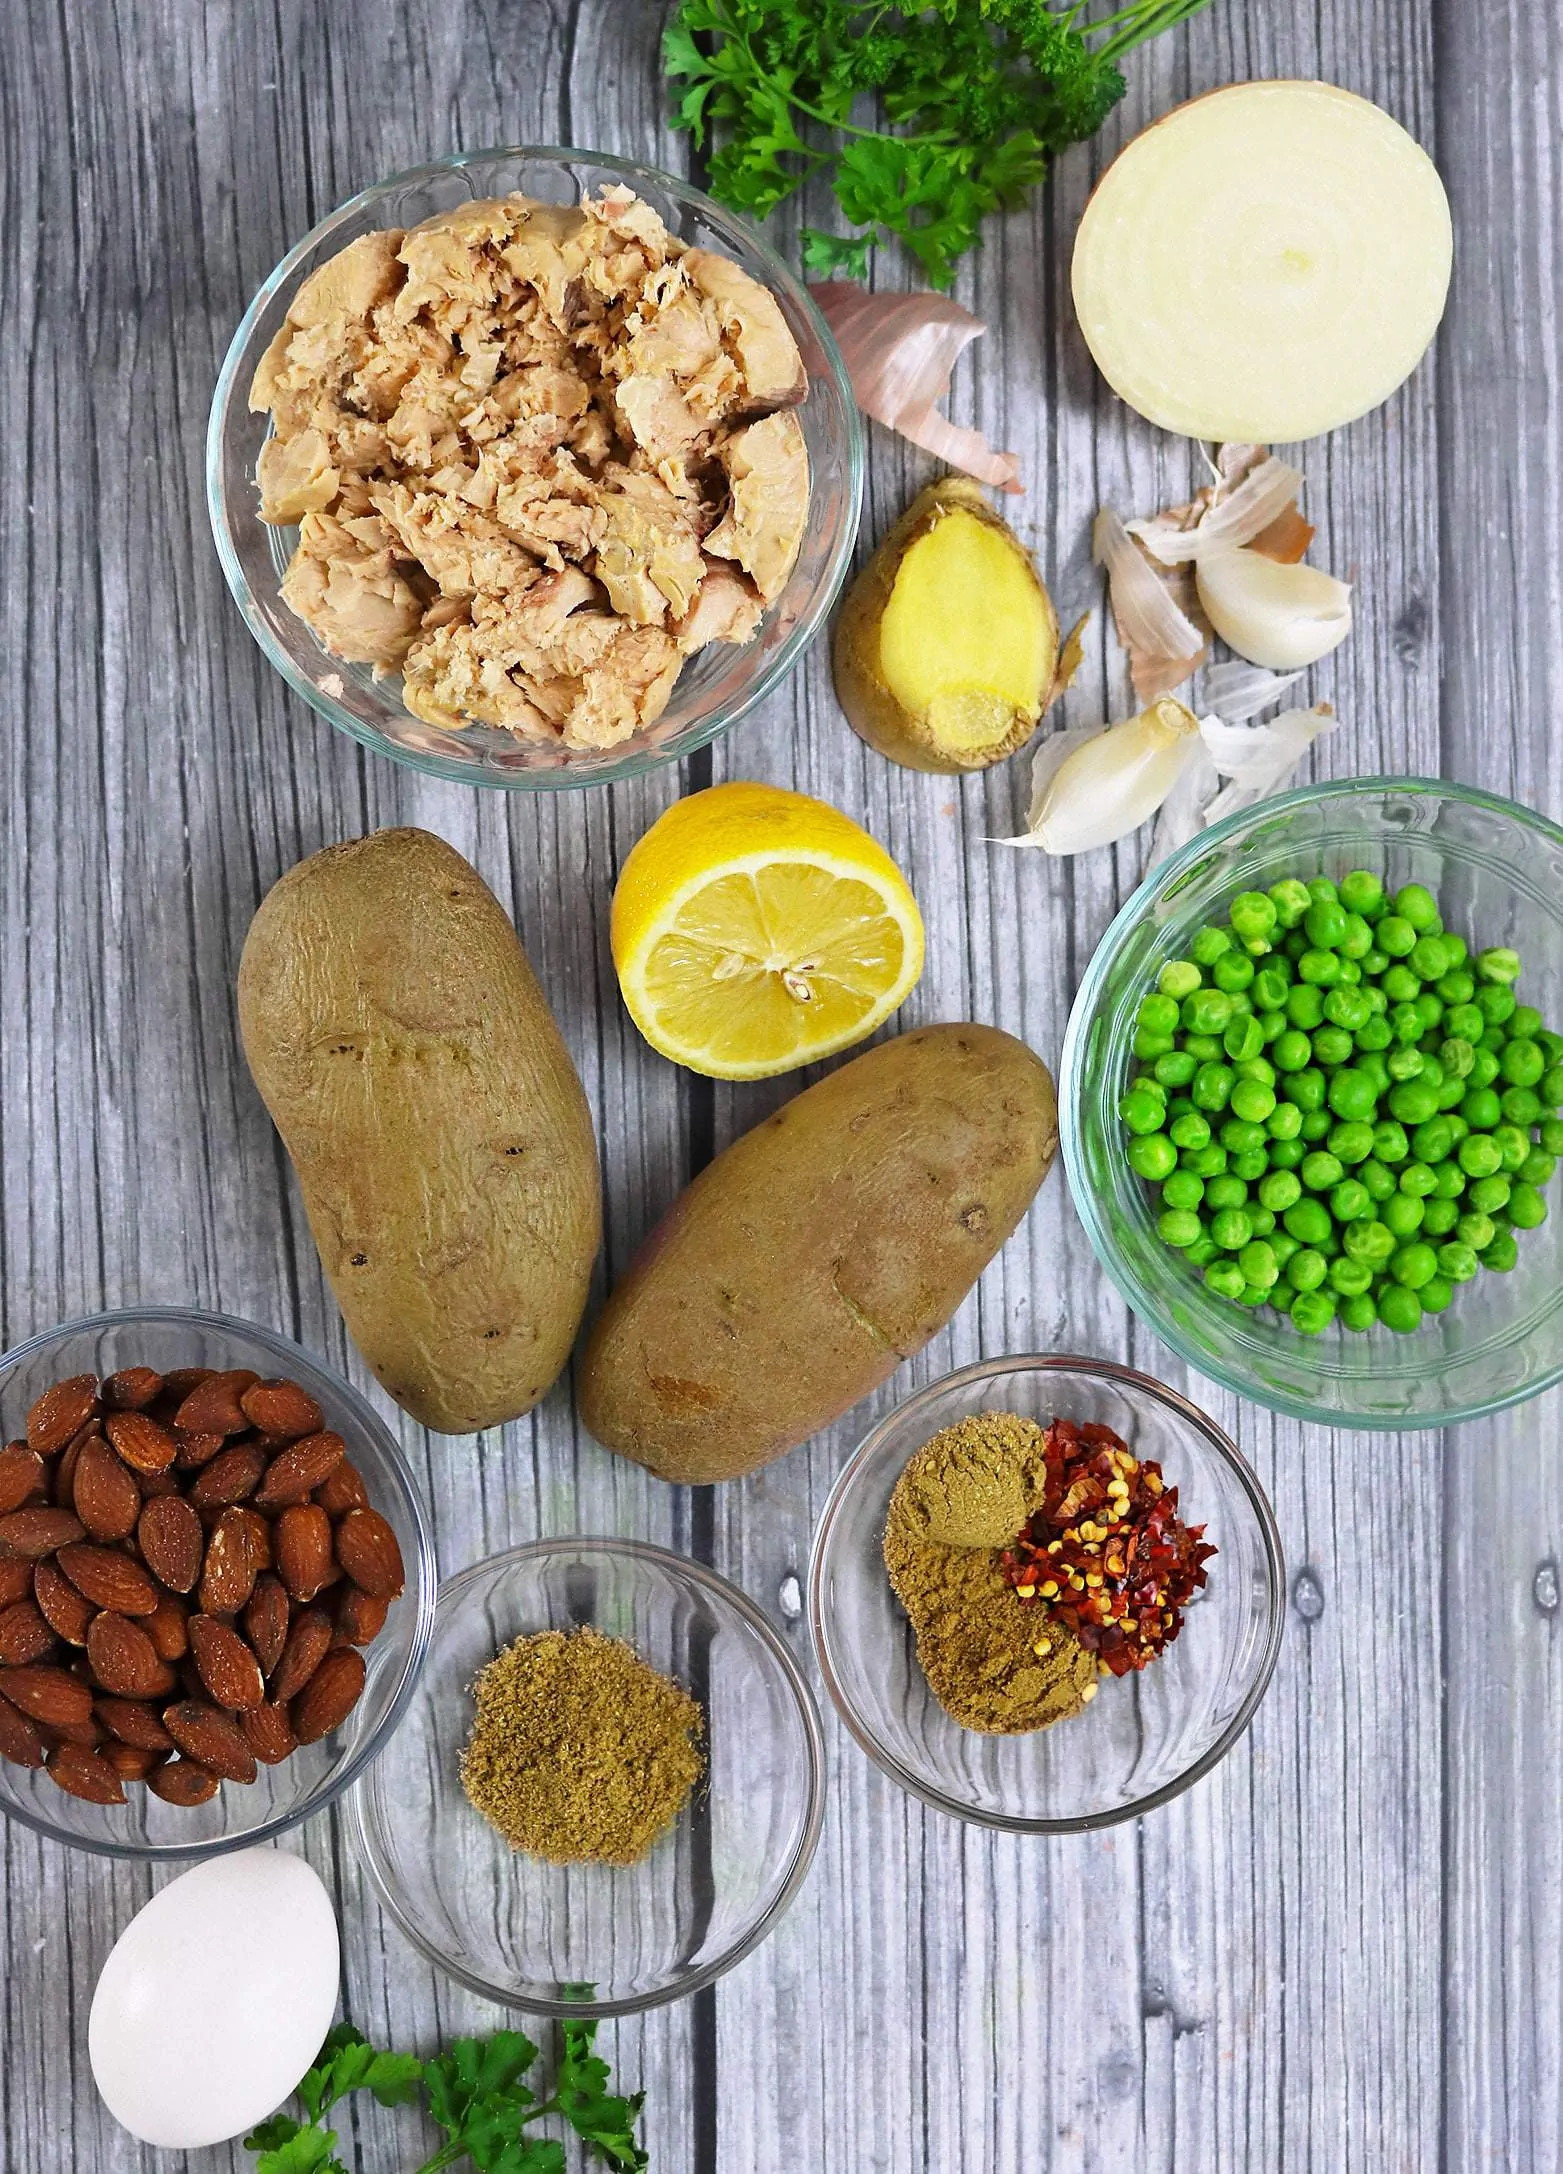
(1283, 617)
(1113, 781)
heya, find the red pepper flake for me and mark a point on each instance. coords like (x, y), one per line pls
(1107, 1553)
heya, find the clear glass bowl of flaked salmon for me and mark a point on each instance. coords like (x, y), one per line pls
(533, 468)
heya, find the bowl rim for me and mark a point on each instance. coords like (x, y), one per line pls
(995, 1370)
(725, 1592)
(788, 653)
(424, 1588)
(1072, 1091)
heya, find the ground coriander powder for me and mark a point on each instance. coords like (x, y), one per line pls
(992, 1664)
(581, 1752)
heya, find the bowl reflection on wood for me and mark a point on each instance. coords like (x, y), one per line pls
(592, 1939)
(1147, 1736)
(1496, 870)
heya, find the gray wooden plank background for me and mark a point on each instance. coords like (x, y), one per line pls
(1340, 1952)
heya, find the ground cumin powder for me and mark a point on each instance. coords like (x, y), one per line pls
(581, 1752)
(961, 1499)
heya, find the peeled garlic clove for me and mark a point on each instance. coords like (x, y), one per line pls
(1115, 781)
(1283, 617)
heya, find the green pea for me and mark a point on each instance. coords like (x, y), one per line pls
(1316, 1125)
(1351, 1141)
(1495, 1002)
(1489, 1195)
(1280, 1190)
(1254, 915)
(1369, 1240)
(1231, 1229)
(1402, 1213)
(1459, 950)
(1251, 1164)
(1413, 1101)
(1502, 1254)
(1361, 891)
(1287, 1154)
(1191, 1131)
(1405, 1024)
(1202, 1252)
(1307, 1089)
(1291, 1051)
(1321, 1170)
(1233, 971)
(1429, 1009)
(1263, 1220)
(1158, 1015)
(1321, 968)
(1524, 1024)
(1290, 900)
(1417, 1180)
(1312, 1312)
(1179, 1227)
(1413, 1265)
(1207, 947)
(1439, 1217)
(1259, 1264)
(1225, 1278)
(1538, 1168)
(1305, 1006)
(1550, 1134)
(1349, 1200)
(1450, 1181)
(1458, 1128)
(1481, 1109)
(1253, 1102)
(1147, 1045)
(1243, 1038)
(1204, 1162)
(1457, 1261)
(1552, 1044)
(1457, 987)
(1350, 1278)
(1526, 1207)
(1259, 1068)
(1325, 922)
(1270, 987)
(1351, 1094)
(1432, 1141)
(1272, 1025)
(1206, 1011)
(1212, 1088)
(1390, 1143)
(1321, 887)
(1499, 966)
(1513, 1145)
(1358, 1313)
(1178, 979)
(1284, 1121)
(1395, 935)
(1456, 1056)
(1521, 1063)
(1331, 1046)
(1308, 1222)
(1306, 1270)
(1374, 961)
(1379, 1182)
(1399, 1309)
(1375, 1033)
(1552, 1086)
(1348, 1008)
(1476, 1230)
(1153, 1157)
(1240, 1137)
(1521, 1106)
(1225, 1191)
(1357, 941)
(1429, 958)
(1416, 904)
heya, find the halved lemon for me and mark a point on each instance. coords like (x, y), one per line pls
(755, 930)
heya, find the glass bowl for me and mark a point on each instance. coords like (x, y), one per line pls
(1147, 1736)
(717, 686)
(1497, 871)
(599, 1940)
(165, 1337)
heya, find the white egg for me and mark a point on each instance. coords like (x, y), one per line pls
(215, 1999)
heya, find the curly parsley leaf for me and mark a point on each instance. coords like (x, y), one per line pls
(977, 95)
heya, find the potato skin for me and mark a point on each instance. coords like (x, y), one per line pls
(439, 1133)
(873, 712)
(818, 1251)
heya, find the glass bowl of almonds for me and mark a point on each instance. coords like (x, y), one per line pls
(205, 1536)
(1011, 1613)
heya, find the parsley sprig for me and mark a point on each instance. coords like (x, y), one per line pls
(974, 97)
(474, 2092)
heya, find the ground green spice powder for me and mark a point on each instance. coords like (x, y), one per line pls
(581, 1752)
(993, 1664)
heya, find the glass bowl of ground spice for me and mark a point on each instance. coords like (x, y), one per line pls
(1047, 1594)
(608, 1787)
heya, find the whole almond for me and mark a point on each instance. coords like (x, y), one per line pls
(269, 1733)
(131, 1389)
(20, 1741)
(366, 1548)
(171, 1541)
(50, 1696)
(213, 1407)
(153, 1485)
(84, 1774)
(329, 1696)
(124, 1659)
(104, 1491)
(61, 1412)
(299, 1470)
(206, 1734)
(67, 1612)
(62, 1486)
(257, 1534)
(23, 1477)
(303, 1543)
(137, 1437)
(36, 1533)
(129, 1761)
(229, 1670)
(109, 1579)
(308, 1643)
(281, 1409)
(88, 1734)
(184, 1782)
(342, 1490)
(266, 1620)
(16, 1579)
(196, 1450)
(24, 1635)
(132, 1721)
(360, 1617)
(167, 1628)
(180, 1380)
(232, 1477)
(229, 1572)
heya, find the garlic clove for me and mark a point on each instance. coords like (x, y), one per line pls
(1281, 616)
(1113, 781)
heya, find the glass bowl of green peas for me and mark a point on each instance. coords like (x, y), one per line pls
(1312, 1102)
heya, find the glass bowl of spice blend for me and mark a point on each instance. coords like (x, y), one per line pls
(609, 1785)
(1056, 1732)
